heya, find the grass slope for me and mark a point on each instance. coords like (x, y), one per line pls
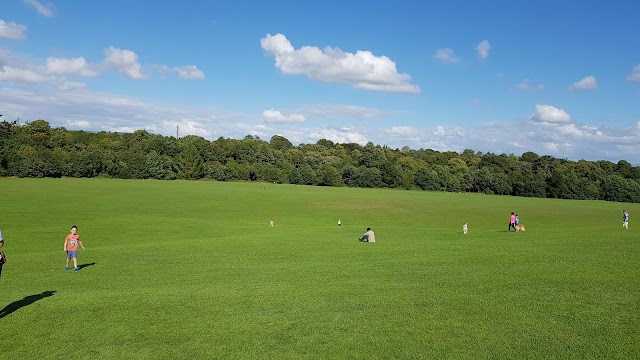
(178, 269)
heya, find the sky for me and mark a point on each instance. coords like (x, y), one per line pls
(559, 78)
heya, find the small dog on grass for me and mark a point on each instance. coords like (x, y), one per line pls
(465, 229)
(519, 227)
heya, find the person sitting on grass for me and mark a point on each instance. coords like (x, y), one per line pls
(369, 236)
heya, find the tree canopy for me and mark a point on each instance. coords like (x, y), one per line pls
(37, 150)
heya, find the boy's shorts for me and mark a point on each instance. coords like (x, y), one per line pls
(72, 254)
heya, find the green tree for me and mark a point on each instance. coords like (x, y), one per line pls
(329, 176)
(366, 177)
(189, 163)
(159, 166)
(280, 143)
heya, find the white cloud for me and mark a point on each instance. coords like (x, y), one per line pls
(11, 74)
(363, 69)
(186, 127)
(524, 85)
(334, 111)
(75, 66)
(635, 74)
(406, 131)
(41, 9)
(72, 85)
(587, 83)
(483, 49)
(549, 114)
(11, 30)
(54, 70)
(275, 116)
(189, 72)
(82, 124)
(446, 56)
(320, 112)
(124, 61)
(338, 136)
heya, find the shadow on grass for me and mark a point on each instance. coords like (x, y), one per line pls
(27, 300)
(82, 266)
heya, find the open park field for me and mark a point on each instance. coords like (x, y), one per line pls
(186, 270)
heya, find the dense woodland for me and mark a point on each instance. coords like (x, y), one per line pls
(37, 150)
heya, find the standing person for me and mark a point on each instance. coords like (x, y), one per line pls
(71, 243)
(517, 219)
(625, 219)
(271, 223)
(369, 236)
(512, 222)
(3, 259)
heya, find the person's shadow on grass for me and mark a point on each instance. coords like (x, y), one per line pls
(27, 300)
(82, 266)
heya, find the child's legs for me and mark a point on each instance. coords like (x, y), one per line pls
(75, 262)
(72, 255)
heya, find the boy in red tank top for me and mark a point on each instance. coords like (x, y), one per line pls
(71, 243)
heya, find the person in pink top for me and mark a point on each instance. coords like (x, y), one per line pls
(3, 258)
(512, 222)
(71, 243)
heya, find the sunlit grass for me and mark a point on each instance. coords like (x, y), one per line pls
(191, 270)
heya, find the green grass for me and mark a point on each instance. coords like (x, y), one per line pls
(191, 270)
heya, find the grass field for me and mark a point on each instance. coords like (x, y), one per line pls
(184, 270)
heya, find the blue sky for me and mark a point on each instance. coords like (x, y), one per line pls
(558, 78)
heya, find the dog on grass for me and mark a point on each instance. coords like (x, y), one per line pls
(465, 229)
(519, 227)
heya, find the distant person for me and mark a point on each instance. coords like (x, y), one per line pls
(465, 228)
(71, 243)
(512, 222)
(3, 258)
(625, 219)
(517, 220)
(271, 223)
(369, 236)
(339, 223)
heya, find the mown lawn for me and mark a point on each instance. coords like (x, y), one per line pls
(182, 270)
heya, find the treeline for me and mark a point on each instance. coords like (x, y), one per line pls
(37, 150)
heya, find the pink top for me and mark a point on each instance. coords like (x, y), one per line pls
(513, 219)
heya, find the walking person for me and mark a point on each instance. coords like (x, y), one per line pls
(625, 219)
(512, 222)
(71, 243)
(3, 258)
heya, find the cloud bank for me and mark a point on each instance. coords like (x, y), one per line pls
(547, 130)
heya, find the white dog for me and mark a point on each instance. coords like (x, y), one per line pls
(465, 229)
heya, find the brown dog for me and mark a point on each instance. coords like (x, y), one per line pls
(519, 227)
